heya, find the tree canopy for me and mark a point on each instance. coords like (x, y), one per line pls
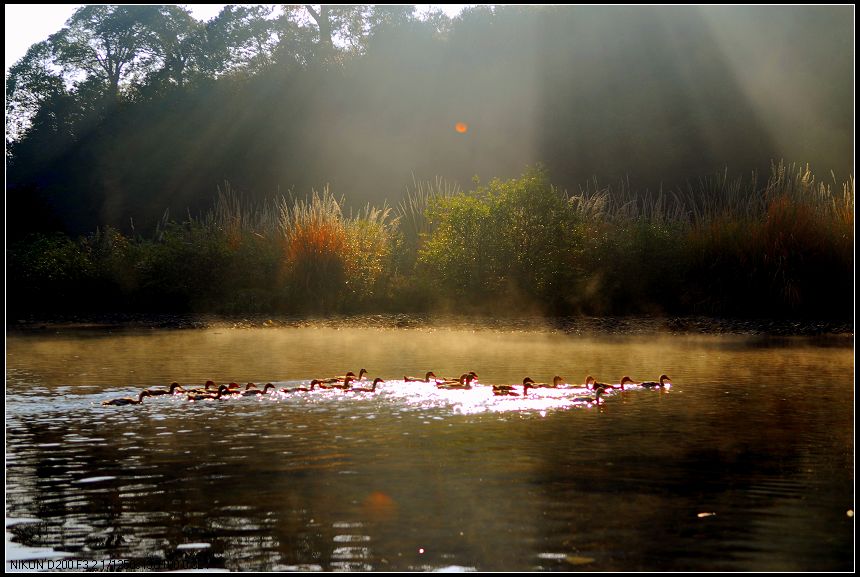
(128, 111)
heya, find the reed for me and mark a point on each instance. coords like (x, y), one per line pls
(412, 210)
(721, 245)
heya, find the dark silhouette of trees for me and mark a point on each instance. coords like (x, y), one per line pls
(129, 111)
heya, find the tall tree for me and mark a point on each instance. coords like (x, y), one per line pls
(178, 42)
(31, 83)
(343, 29)
(108, 43)
(240, 37)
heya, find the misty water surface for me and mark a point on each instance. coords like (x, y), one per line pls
(744, 464)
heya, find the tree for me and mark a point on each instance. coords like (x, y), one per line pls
(108, 43)
(345, 26)
(30, 84)
(240, 37)
(178, 41)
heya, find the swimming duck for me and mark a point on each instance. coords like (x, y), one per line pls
(464, 382)
(249, 391)
(329, 384)
(661, 383)
(332, 380)
(473, 376)
(314, 383)
(203, 396)
(349, 375)
(626, 379)
(361, 374)
(597, 392)
(208, 388)
(127, 400)
(372, 389)
(556, 381)
(174, 388)
(426, 378)
(508, 390)
(591, 383)
(211, 388)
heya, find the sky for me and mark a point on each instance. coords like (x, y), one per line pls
(27, 24)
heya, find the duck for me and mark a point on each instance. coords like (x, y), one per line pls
(626, 379)
(349, 375)
(207, 388)
(335, 384)
(203, 396)
(652, 384)
(597, 393)
(508, 390)
(372, 389)
(426, 378)
(314, 383)
(556, 381)
(361, 374)
(211, 388)
(464, 382)
(472, 374)
(332, 380)
(249, 391)
(127, 400)
(591, 383)
(174, 388)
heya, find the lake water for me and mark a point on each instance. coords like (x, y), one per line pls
(745, 464)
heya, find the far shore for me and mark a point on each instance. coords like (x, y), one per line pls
(574, 325)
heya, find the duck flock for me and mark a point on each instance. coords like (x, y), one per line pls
(359, 384)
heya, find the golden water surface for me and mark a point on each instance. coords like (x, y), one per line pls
(744, 464)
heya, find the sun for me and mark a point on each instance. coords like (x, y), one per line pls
(461, 127)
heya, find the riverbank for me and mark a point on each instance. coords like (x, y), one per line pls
(638, 325)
